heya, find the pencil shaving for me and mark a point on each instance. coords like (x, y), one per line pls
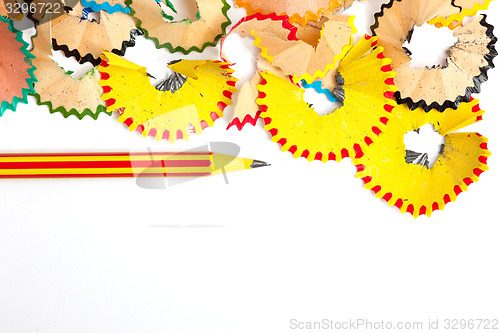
(3, 9)
(184, 36)
(246, 110)
(199, 99)
(16, 79)
(367, 105)
(467, 8)
(298, 11)
(89, 38)
(284, 54)
(309, 61)
(57, 89)
(415, 188)
(439, 87)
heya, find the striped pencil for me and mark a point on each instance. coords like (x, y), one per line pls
(121, 165)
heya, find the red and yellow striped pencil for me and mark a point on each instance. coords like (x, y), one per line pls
(121, 165)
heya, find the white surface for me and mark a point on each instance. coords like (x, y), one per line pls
(296, 240)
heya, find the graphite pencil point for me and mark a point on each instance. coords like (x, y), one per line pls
(258, 164)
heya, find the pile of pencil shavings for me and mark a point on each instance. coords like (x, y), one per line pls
(302, 45)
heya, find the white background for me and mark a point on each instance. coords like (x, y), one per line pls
(295, 240)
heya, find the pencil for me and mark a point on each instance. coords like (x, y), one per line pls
(121, 165)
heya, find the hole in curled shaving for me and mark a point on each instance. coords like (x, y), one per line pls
(325, 102)
(320, 102)
(429, 46)
(424, 146)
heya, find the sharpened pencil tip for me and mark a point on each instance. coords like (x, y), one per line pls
(258, 164)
